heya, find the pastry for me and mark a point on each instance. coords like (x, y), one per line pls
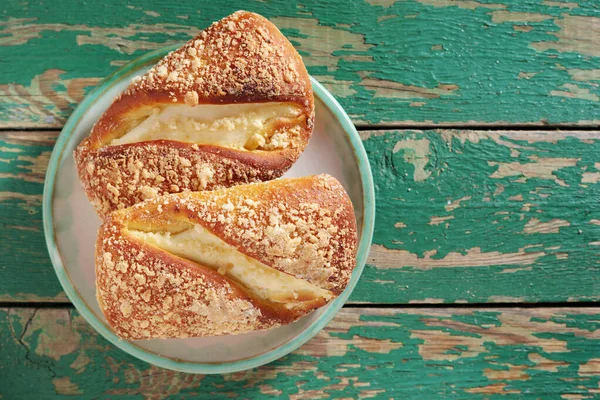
(228, 261)
(234, 105)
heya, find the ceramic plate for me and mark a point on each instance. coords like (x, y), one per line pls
(70, 225)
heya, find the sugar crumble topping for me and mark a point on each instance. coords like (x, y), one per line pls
(301, 229)
(304, 227)
(241, 58)
(137, 173)
(238, 55)
(158, 297)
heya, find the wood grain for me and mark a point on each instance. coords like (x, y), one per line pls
(26, 273)
(462, 216)
(548, 353)
(484, 216)
(414, 62)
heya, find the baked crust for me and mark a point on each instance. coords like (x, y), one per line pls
(303, 227)
(242, 58)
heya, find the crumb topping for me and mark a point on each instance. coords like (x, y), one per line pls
(304, 227)
(162, 297)
(116, 179)
(242, 58)
(239, 55)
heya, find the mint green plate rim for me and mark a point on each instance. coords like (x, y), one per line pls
(174, 364)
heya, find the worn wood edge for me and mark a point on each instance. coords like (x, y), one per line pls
(522, 62)
(425, 352)
(504, 209)
(394, 125)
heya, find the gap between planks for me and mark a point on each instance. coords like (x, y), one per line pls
(477, 127)
(478, 306)
(415, 126)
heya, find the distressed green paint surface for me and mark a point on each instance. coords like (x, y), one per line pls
(363, 353)
(484, 216)
(462, 216)
(402, 62)
(26, 273)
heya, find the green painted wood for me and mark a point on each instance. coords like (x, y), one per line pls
(462, 216)
(546, 353)
(402, 62)
(26, 273)
(476, 216)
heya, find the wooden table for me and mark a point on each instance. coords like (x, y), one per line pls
(481, 122)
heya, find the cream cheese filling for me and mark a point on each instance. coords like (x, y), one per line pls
(200, 245)
(240, 126)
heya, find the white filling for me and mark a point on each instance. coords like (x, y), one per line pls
(231, 125)
(200, 245)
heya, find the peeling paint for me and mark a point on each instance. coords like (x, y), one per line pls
(310, 32)
(534, 225)
(575, 92)
(382, 3)
(527, 75)
(512, 271)
(466, 4)
(427, 301)
(47, 101)
(545, 364)
(500, 17)
(114, 38)
(386, 258)
(440, 220)
(523, 28)
(578, 34)
(541, 168)
(513, 373)
(494, 388)
(57, 339)
(590, 368)
(31, 200)
(454, 204)
(560, 4)
(396, 90)
(65, 387)
(374, 72)
(584, 75)
(376, 345)
(416, 152)
(442, 353)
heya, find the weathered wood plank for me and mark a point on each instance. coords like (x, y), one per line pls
(401, 62)
(462, 216)
(393, 353)
(482, 216)
(26, 273)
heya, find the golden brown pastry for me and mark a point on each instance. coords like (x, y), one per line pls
(228, 261)
(233, 105)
